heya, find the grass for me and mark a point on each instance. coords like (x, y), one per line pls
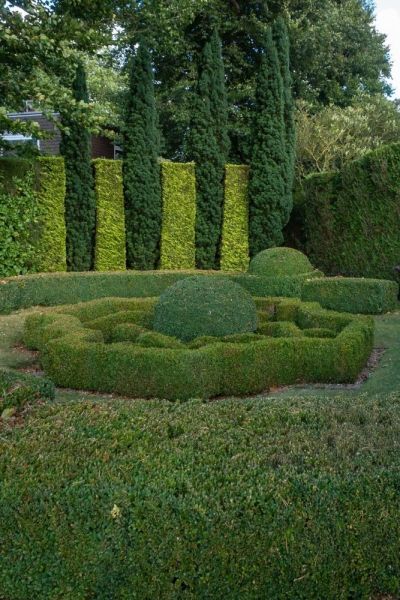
(290, 495)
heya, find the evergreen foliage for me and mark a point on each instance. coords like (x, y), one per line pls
(235, 228)
(281, 38)
(80, 202)
(141, 170)
(208, 147)
(267, 182)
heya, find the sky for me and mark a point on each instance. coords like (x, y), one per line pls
(388, 22)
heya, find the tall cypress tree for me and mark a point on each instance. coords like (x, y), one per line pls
(141, 170)
(267, 182)
(281, 38)
(208, 147)
(80, 201)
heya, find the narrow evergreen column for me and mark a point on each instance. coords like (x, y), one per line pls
(208, 147)
(281, 38)
(80, 201)
(141, 171)
(267, 189)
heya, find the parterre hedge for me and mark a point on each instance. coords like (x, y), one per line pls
(366, 296)
(110, 247)
(178, 248)
(351, 219)
(77, 350)
(235, 226)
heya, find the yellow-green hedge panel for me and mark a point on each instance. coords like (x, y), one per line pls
(179, 215)
(50, 236)
(235, 228)
(110, 248)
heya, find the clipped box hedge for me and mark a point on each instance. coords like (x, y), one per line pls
(235, 226)
(178, 248)
(110, 246)
(77, 351)
(366, 296)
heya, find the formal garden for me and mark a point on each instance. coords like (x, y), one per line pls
(199, 337)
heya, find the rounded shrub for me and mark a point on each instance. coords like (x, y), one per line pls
(202, 306)
(278, 262)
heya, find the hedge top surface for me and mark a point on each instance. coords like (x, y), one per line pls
(199, 306)
(280, 261)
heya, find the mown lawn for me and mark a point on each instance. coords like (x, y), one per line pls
(295, 495)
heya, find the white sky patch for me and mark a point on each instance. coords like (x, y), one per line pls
(388, 22)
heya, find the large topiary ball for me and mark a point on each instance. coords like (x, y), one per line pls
(204, 306)
(278, 262)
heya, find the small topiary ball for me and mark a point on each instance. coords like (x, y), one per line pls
(278, 262)
(204, 306)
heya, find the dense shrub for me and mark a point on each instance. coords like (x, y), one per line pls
(199, 306)
(75, 354)
(179, 216)
(18, 214)
(231, 499)
(19, 389)
(235, 227)
(351, 220)
(50, 238)
(110, 247)
(367, 296)
(278, 262)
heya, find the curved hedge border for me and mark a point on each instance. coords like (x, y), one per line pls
(235, 226)
(178, 247)
(110, 248)
(366, 296)
(74, 352)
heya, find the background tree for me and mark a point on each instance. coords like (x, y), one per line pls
(267, 186)
(208, 147)
(80, 202)
(141, 168)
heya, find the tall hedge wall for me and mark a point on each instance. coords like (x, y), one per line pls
(51, 235)
(13, 167)
(235, 228)
(351, 219)
(179, 216)
(110, 249)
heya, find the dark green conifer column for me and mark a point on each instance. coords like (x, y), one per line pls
(141, 170)
(80, 201)
(267, 182)
(281, 38)
(208, 147)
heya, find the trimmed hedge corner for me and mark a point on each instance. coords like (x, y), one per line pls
(235, 227)
(179, 216)
(351, 219)
(366, 296)
(110, 247)
(51, 236)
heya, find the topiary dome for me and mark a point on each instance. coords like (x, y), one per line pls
(278, 262)
(204, 306)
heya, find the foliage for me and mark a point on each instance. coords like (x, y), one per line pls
(18, 214)
(199, 306)
(278, 262)
(350, 219)
(80, 201)
(110, 250)
(235, 227)
(179, 216)
(281, 39)
(19, 389)
(141, 171)
(329, 138)
(74, 354)
(208, 146)
(267, 183)
(50, 235)
(367, 296)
